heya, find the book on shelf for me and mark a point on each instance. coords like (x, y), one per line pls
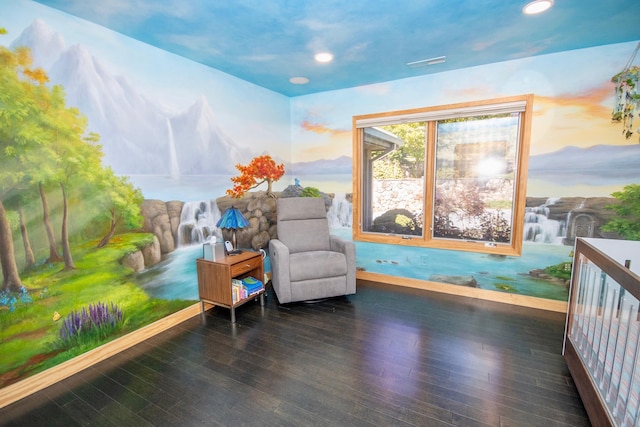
(256, 292)
(238, 292)
(251, 283)
(245, 288)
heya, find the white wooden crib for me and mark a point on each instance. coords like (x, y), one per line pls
(602, 335)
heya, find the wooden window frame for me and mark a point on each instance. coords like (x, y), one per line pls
(514, 248)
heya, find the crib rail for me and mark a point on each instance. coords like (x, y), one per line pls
(602, 337)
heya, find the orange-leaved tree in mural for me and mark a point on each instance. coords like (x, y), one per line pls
(260, 170)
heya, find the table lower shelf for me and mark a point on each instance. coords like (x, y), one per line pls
(232, 307)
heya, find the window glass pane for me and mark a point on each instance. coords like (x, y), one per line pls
(394, 171)
(476, 161)
(448, 177)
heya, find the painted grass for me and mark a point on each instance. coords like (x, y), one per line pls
(29, 335)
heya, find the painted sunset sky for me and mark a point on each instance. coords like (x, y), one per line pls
(571, 108)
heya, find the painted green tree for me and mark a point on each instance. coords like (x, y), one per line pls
(627, 221)
(119, 203)
(66, 159)
(16, 204)
(45, 149)
(22, 94)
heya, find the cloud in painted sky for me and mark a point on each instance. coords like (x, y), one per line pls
(322, 129)
(534, 49)
(258, 58)
(581, 120)
(323, 142)
(591, 104)
(134, 11)
(314, 24)
(196, 43)
(333, 147)
(375, 89)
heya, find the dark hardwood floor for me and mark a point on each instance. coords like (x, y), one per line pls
(385, 356)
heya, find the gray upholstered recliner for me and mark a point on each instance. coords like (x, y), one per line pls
(308, 263)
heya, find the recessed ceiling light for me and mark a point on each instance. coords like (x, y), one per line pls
(299, 80)
(425, 62)
(537, 6)
(323, 57)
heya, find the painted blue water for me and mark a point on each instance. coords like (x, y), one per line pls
(489, 271)
(176, 277)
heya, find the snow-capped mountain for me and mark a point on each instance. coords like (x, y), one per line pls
(138, 135)
(201, 145)
(132, 131)
(46, 45)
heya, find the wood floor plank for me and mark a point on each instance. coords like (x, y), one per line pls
(385, 356)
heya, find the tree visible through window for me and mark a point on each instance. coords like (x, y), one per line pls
(450, 177)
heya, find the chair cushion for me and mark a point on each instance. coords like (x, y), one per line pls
(326, 287)
(304, 235)
(292, 208)
(302, 224)
(316, 264)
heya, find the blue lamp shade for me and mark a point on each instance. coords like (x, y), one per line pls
(232, 219)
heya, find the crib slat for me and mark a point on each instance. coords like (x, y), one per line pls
(629, 360)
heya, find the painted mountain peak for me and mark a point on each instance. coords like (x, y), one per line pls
(138, 135)
(46, 44)
(340, 165)
(207, 148)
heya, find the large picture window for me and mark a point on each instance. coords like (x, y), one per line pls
(450, 177)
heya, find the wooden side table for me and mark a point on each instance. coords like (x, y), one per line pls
(214, 279)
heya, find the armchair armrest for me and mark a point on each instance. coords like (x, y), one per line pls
(348, 248)
(280, 277)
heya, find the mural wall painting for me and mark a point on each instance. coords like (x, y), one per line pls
(174, 164)
(578, 159)
(122, 262)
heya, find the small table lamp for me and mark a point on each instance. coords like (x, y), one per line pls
(232, 219)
